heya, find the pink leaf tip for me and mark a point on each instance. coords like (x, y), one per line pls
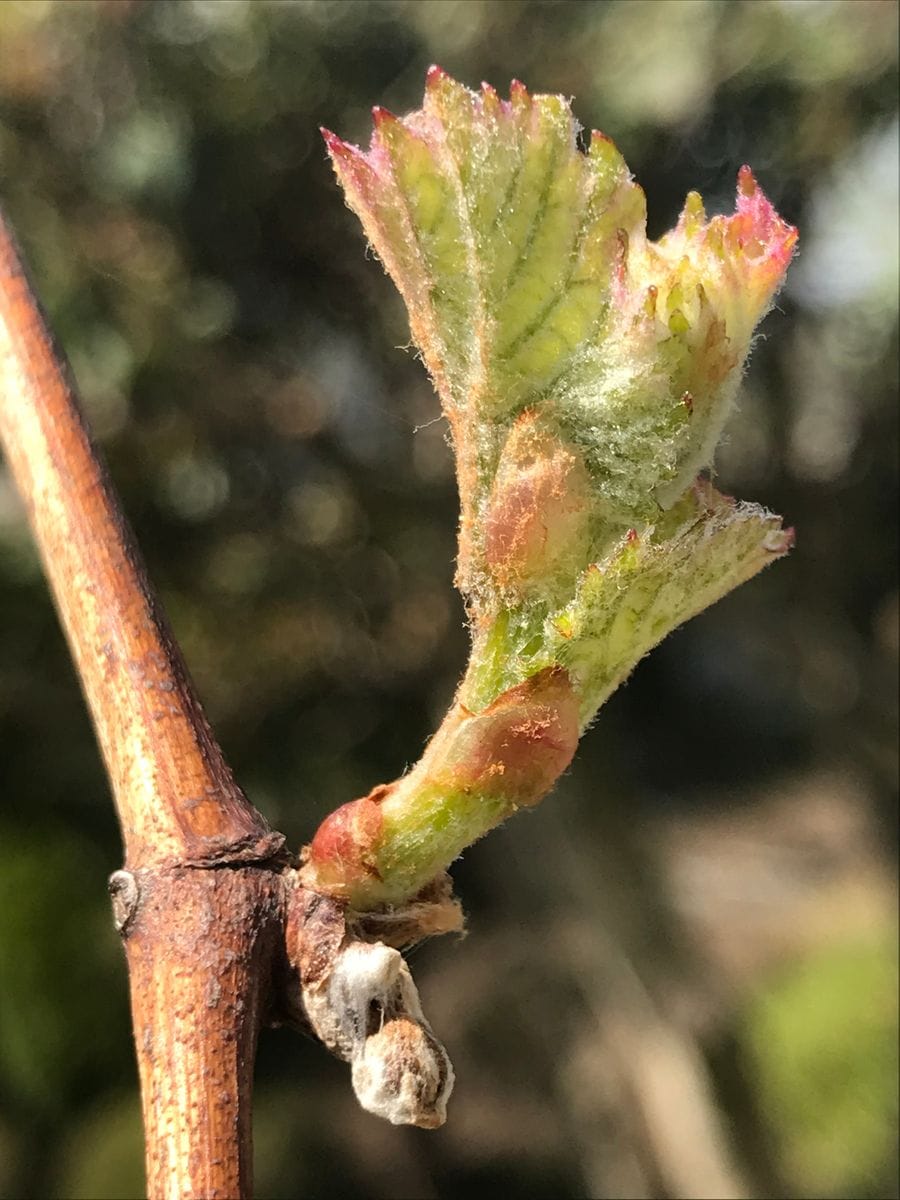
(435, 75)
(332, 141)
(383, 116)
(342, 153)
(757, 227)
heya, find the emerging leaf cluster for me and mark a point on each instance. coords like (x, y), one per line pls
(586, 374)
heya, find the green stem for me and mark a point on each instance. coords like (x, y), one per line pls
(478, 769)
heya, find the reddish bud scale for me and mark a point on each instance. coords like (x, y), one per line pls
(537, 514)
(519, 746)
(345, 845)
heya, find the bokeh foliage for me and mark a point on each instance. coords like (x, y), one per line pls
(291, 488)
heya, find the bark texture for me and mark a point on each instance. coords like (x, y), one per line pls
(198, 924)
(200, 947)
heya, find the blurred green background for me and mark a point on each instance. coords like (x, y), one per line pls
(680, 977)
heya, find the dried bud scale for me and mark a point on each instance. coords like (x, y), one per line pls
(357, 996)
